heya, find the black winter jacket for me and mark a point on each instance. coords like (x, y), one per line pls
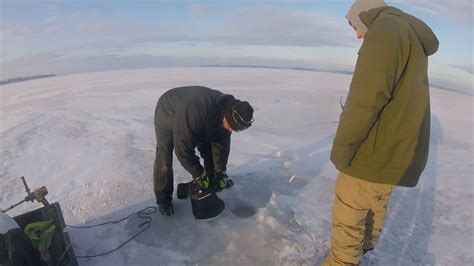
(196, 115)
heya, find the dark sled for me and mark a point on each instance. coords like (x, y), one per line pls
(61, 251)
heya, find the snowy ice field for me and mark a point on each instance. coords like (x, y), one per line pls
(89, 138)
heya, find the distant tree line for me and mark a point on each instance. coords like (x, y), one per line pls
(291, 68)
(19, 79)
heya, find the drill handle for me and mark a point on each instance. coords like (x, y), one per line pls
(13, 206)
(41, 195)
(27, 189)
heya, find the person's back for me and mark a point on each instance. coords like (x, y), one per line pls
(193, 117)
(383, 135)
(386, 117)
(184, 96)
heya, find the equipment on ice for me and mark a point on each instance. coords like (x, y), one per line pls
(205, 204)
(38, 194)
(16, 247)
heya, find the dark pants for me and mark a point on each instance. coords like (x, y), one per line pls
(163, 181)
(163, 168)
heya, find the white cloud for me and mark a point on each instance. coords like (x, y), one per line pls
(252, 25)
(259, 25)
(199, 9)
(78, 36)
(274, 26)
(73, 25)
(15, 31)
(467, 69)
(460, 10)
(256, 26)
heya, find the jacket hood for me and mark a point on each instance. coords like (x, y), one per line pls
(423, 32)
(358, 7)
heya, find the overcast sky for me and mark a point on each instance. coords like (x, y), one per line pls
(75, 36)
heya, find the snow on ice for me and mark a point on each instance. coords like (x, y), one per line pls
(89, 138)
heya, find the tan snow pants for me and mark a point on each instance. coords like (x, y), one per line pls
(357, 218)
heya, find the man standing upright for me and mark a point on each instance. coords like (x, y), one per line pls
(383, 136)
(193, 117)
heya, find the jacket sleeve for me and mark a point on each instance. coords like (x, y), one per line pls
(186, 128)
(371, 89)
(220, 153)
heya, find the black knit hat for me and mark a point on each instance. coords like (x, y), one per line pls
(239, 115)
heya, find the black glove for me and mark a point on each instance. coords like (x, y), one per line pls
(164, 203)
(221, 181)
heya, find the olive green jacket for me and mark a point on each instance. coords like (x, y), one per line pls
(384, 130)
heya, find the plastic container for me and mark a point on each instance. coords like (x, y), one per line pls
(61, 251)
